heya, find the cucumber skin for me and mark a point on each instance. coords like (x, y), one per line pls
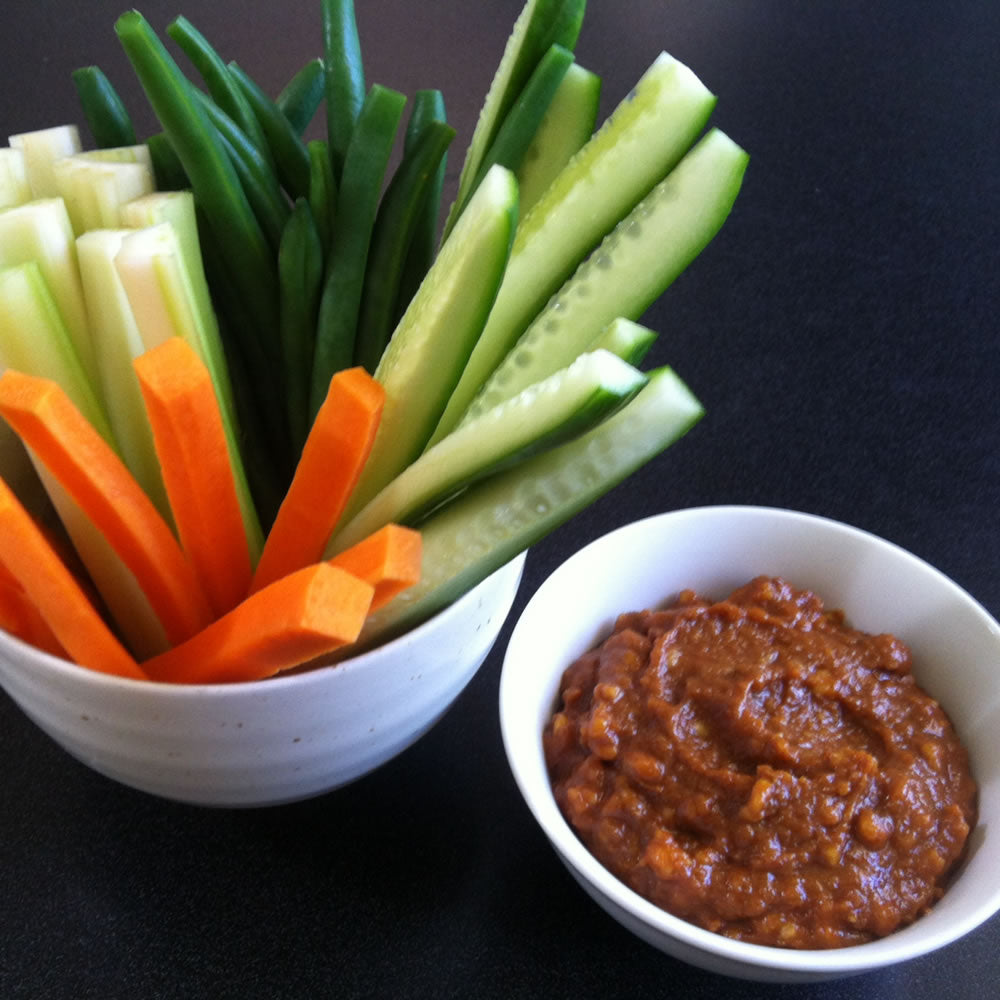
(605, 287)
(600, 185)
(435, 336)
(484, 528)
(509, 435)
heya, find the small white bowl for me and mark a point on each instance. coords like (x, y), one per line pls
(879, 586)
(263, 742)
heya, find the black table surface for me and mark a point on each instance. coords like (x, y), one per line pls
(841, 332)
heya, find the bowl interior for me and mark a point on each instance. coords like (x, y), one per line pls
(881, 588)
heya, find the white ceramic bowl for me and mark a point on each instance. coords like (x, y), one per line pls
(263, 742)
(881, 588)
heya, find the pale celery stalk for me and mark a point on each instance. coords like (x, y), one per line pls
(34, 340)
(159, 290)
(14, 187)
(119, 154)
(117, 343)
(40, 231)
(95, 189)
(177, 208)
(41, 149)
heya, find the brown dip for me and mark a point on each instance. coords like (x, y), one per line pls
(760, 769)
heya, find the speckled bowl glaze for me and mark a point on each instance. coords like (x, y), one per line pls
(265, 742)
(881, 588)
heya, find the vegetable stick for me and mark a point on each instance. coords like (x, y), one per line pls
(334, 454)
(20, 616)
(31, 560)
(190, 441)
(301, 616)
(389, 559)
(96, 478)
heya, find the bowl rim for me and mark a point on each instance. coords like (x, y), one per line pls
(901, 945)
(366, 660)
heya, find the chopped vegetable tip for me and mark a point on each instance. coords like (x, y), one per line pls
(281, 399)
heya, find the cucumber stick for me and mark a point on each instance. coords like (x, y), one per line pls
(636, 147)
(541, 24)
(432, 342)
(41, 231)
(567, 124)
(631, 268)
(544, 415)
(488, 525)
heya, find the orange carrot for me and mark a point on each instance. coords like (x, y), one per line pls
(62, 603)
(19, 616)
(305, 614)
(95, 477)
(331, 462)
(191, 444)
(389, 559)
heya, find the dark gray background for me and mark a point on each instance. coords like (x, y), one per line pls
(841, 332)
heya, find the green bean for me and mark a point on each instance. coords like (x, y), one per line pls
(288, 151)
(521, 123)
(322, 191)
(398, 216)
(212, 69)
(259, 183)
(302, 95)
(242, 244)
(428, 106)
(300, 269)
(168, 172)
(345, 76)
(357, 204)
(107, 118)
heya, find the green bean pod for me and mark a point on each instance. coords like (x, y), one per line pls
(259, 183)
(322, 191)
(428, 106)
(300, 270)
(301, 97)
(104, 110)
(398, 216)
(168, 171)
(358, 196)
(212, 69)
(345, 76)
(243, 247)
(291, 158)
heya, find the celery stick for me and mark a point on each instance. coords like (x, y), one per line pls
(152, 270)
(130, 610)
(118, 343)
(41, 231)
(178, 208)
(14, 187)
(138, 153)
(42, 148)
(95, 189)
(34, 339)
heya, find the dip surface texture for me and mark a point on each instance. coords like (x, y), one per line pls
(760, 769)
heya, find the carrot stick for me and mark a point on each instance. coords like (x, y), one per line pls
(334, 454)
(193, 450)
(306, 614)
(20, 616)
(388, 559)
(95, 477)
(73, 620)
